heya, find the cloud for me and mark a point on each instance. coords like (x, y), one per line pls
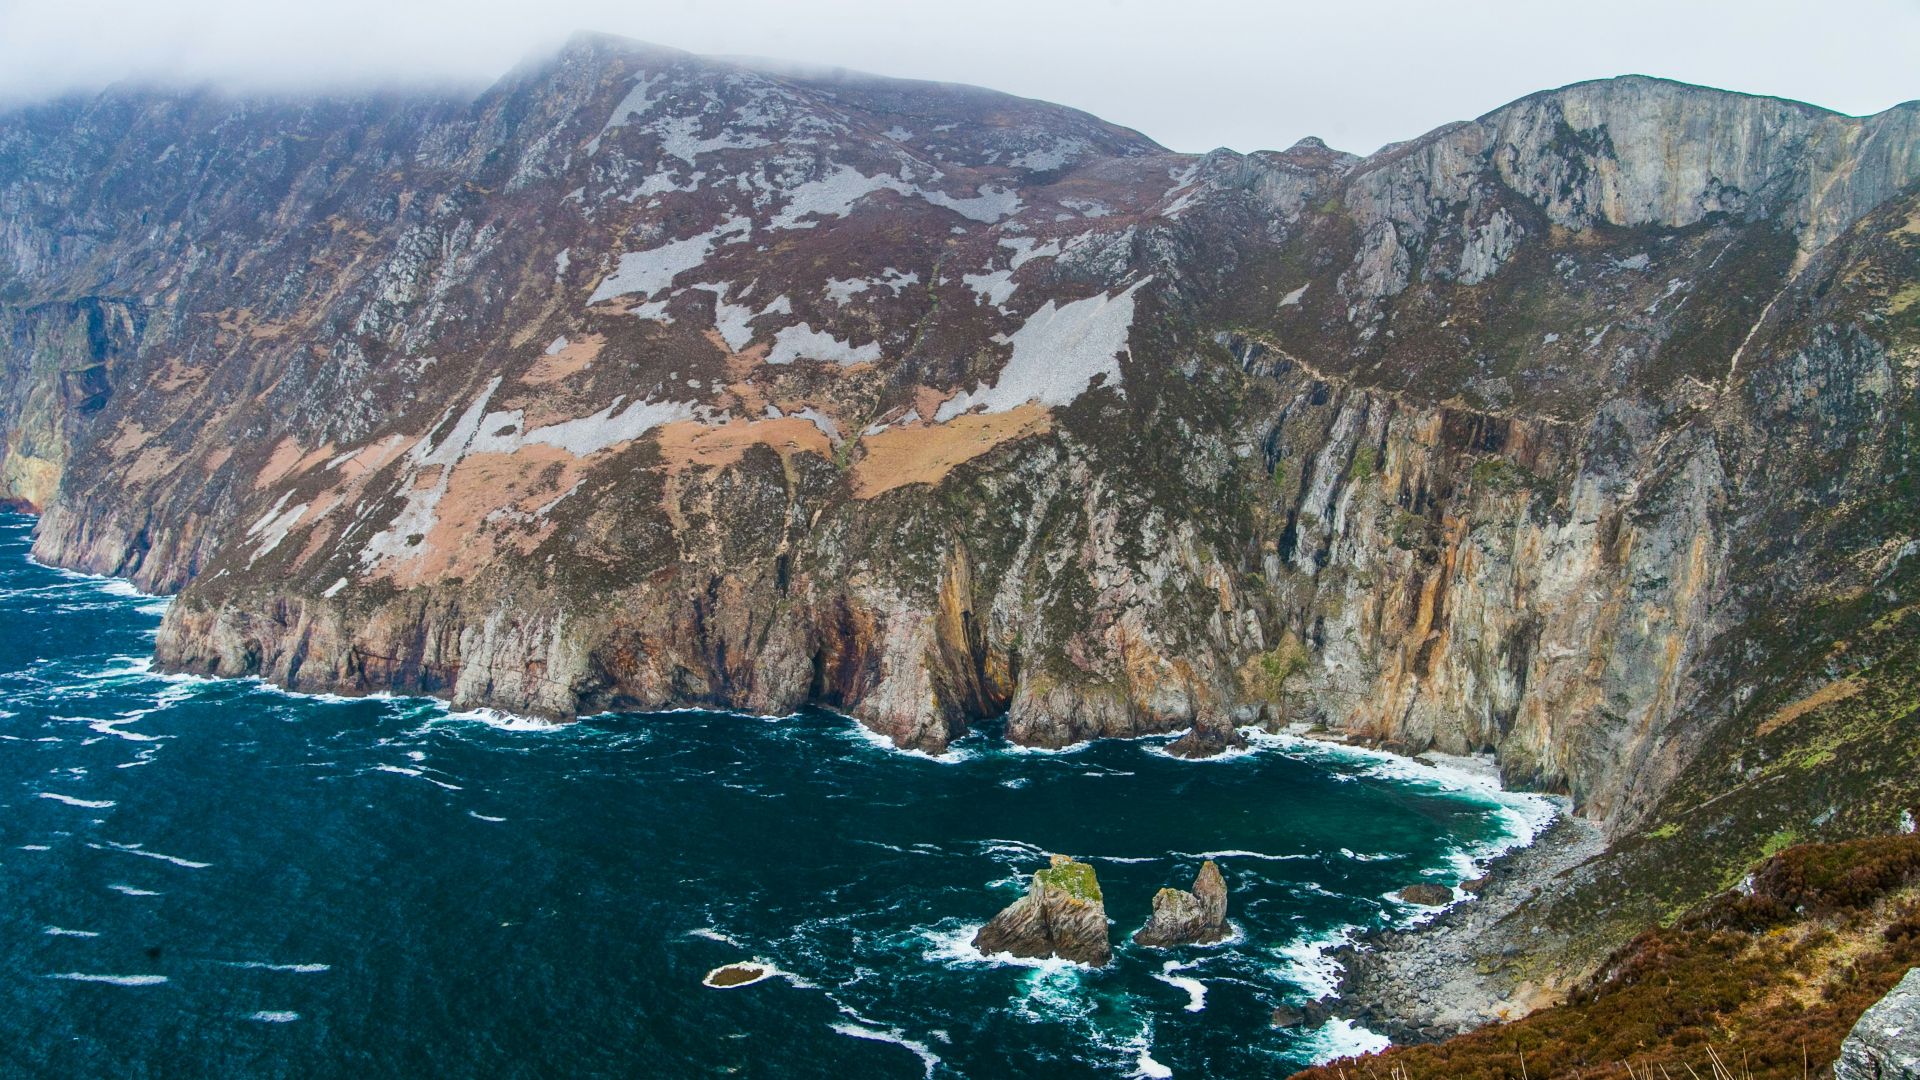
(1192, 73)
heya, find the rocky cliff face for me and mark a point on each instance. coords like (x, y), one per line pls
(645, 379)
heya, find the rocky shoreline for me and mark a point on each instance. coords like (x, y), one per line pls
(1459, 971)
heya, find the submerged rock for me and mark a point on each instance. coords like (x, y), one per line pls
(1885, 1044)
(1426, 895)
(1188, 918)
(1063, 914)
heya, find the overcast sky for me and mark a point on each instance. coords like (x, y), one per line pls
(1193, 74)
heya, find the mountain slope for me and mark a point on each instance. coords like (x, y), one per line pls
(646, 379)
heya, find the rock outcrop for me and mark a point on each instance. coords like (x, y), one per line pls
(1181, 917)
(1426, 895)
(1062, 914)
(1885, 1044)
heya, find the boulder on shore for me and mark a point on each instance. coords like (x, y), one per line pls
(1063, 914)
(1188, 918)
(1313, 1015)
(1426, 895)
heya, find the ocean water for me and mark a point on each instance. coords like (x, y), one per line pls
(215, 878)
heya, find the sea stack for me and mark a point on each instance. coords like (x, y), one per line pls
(1062, 915)
(1188, 918)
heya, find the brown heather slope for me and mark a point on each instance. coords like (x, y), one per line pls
(1769, 978)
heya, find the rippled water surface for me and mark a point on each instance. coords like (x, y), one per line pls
(216, 878)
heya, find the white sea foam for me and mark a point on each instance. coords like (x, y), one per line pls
(116, 980)
(61, 931)
(402, 770)
(927, 1057)
(1144, 1066)
(1196, 990)
(1019, 849)
(90, 804)
(504, 721)
(115, 729)
(710, 934)
(1237, 853)
(133, 665)
(111, 586)
(270, 1016)
(35, 847)
(131, 891)
(484, 817)
(136, 849)
(1310, 967)
(263, 965)
(1342, 1038)
(865, 734)
(1012, 749)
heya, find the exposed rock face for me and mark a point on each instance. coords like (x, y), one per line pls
(647, 380)
(1207, 741)
(1885, 1044)
(1062, 915)
(1188, 918)
(1426, 895)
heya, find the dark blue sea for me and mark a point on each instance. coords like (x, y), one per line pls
(215, 878)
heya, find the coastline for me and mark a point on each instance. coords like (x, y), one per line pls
(1458, 971)
(1425, 980)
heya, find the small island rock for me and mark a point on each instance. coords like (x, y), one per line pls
(1188, 918)
(1427, 895)
(1063, 914)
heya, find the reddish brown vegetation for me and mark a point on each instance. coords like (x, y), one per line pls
(1770, 978)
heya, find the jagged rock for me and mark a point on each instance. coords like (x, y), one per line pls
(1188, 918)
(1427, 895)
(1478, 885)
(1310, 1015)
(1063, 914)
(1885, 1043)
(1207, 740)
